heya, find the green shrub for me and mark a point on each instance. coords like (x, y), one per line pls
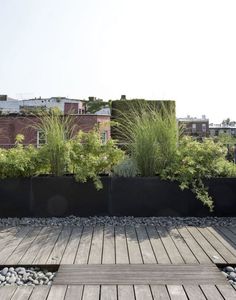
(89, 157)
(126, 168)
(18, 161)
(196, 161)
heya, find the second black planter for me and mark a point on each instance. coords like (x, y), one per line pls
(150, 196)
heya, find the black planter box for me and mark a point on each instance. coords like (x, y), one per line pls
(223, 192)
(151, 196)
(15, 197)
(63, 196)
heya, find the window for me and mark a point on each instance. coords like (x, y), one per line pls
(194, 128)
(41, 139)
(203, 127)
(104, 137)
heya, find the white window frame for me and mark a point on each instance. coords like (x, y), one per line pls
(105, 139)
(39, 144)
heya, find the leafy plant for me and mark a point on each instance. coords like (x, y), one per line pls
(89, 157)
(126, 168)
(151, 136)
(18, 161)
(196, 161)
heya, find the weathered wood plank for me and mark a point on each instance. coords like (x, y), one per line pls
(6, 235)
(74, 292)
(194, 292)
(34, 248)
(206, 246)
(49, 243)
(227, 291)
(157, 246)
(139, 274)
(228, 234)
(84, 246)
(125, 292)
(91, 292)
(211, 292)
(176, 292)
(169, 245)
(95, 256)
(121, 249)
(108, 292)
(194, 246)
(22, 293)
(133, 246)
(18, 253)
(220, 248)
(40, 293)
(145, 246)
(223, 239)
(159, 292)
(142, 292)
(108, 256)
(57, 292)
(8, 248)
(60, 246)
(182, 246)
(7, 292)
(72, 246)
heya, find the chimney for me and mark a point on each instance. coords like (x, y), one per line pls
(92, 98)
(123, 97)
(3, 97)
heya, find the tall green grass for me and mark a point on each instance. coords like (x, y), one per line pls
(151, 137)
(57, 129)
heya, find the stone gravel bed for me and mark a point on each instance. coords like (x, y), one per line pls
(230, 273)
(113, 221)
(25, 276)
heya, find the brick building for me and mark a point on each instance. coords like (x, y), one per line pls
(198, 127)
(13, 124)
(218, 129)
(65, 105)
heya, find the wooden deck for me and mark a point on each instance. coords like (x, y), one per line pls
(120, 245)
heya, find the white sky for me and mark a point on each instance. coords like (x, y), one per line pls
(183, 50)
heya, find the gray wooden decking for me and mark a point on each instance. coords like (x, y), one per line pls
(119, 245)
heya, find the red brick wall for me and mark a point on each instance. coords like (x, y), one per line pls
(10, 126)
(71, 108)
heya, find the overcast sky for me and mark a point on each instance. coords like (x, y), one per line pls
(181, 50)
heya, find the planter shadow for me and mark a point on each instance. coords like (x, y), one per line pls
(15, 197)
(63, 196)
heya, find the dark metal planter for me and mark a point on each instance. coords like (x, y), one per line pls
(63, 196)
(15, 197)
(150, 196)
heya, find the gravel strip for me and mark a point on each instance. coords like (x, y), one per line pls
(230, 273)
(25, 276)
(123, 221)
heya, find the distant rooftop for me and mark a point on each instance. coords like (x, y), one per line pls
(193, 119)
(221, 126)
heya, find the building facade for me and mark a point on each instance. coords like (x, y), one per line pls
(65, 105)
(11, 125)
(198, 127)
(218, 129)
